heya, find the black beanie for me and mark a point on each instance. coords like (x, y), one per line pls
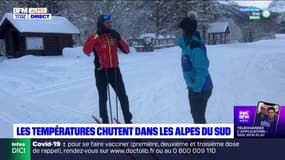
(100, 21)
(188, 25)
(100, 25)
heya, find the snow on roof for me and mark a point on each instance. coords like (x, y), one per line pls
(57, 24)
(150, 35)
(218, 27)
(224, 2)
(170, 36)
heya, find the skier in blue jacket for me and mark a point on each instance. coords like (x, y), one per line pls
(195, 66)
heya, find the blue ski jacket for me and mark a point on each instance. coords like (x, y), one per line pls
(195, 64)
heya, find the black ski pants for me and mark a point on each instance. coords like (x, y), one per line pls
(198, 104)
(112, 76)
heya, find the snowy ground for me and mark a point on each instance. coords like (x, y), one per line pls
(62, 89)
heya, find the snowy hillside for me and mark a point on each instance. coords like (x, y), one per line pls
(277, 6)
(62, 89)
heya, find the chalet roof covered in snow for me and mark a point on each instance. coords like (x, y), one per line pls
(218, 27)
(57, 24)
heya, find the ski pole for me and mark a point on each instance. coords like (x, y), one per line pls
(116, 83)
(108, 94)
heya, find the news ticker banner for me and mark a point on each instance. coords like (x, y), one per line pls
(93, 149)
(125, 131)
(31, 13)
(249, 123)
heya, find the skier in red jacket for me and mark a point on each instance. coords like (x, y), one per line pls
(104, 44)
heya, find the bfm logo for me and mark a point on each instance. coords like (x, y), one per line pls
(31, 13)
(20, 10)
(244, 116)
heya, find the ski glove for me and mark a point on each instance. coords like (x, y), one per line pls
(115, 34)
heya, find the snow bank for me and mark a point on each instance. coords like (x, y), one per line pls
(151, 35)
(76, 52)
(133, 50)
(280, 36)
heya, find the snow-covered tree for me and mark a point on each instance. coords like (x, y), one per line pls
(51, 5)
(282, 27)
(277, 6)
(7, 6)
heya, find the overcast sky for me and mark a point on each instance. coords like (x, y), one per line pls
(261, 4)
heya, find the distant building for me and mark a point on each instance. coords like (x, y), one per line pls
(218, 33)
(36, 37)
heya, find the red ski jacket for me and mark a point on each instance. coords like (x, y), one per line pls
(106, 48)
